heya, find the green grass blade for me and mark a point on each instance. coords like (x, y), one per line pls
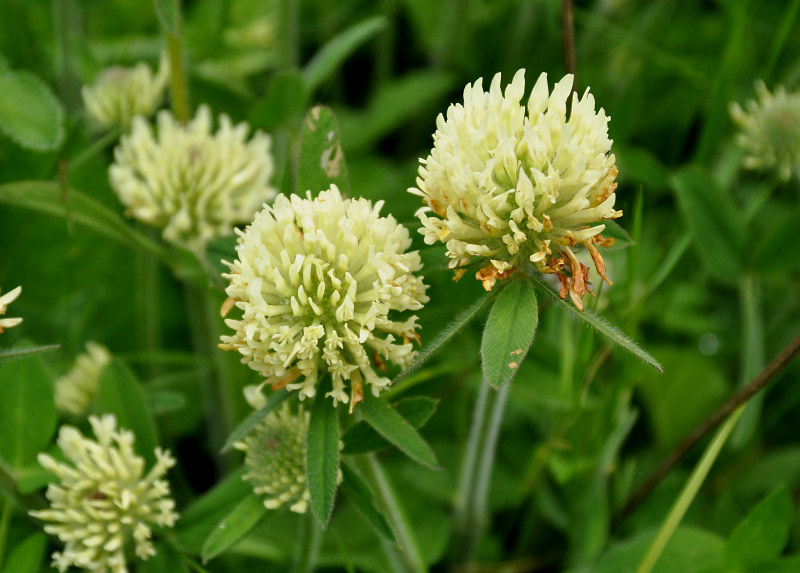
(254, 418)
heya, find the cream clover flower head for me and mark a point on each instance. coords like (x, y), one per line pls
(104, 500)
(119, 94)
(5, 300)
(75, 390)
(275, 457)
(194, 184)
(320, 282)
(508, 183)
(770, 130)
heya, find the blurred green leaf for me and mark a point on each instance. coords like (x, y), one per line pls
(244, 517)
(120, 393)
(716, 228)
(360, 494)
(218, 250)
(361, 438)
(776, 250)
(763, 534)
(47, 197)
(169, 14)
(322, 453)
(29, 112)
(333, 54)
(255, 418)
(27, 556)
(27, 410)
(166, 560)
(322, 160)
(509, 332)
(396, 429)
(600, 324)
(165, 401)
(285, 99)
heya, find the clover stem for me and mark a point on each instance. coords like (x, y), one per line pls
(305, 558)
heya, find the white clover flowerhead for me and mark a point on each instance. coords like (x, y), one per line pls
(119, 94)
(104, 500)
(75, 390)
(5, 300)
(770, 130)
(509, 184)
(275, 457)
(321, 283)
(194, 184)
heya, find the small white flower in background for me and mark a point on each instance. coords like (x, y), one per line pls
(320, 282)
(104, 500)
(275, 457)
(195, 184)
(75, 390)
(508, 183)
(5, 300)
(770, 130)
(119, 94)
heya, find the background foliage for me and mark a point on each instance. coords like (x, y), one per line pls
(706, 280)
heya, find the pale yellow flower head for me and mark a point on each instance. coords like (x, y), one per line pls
(5, 300)
(119, 94)
(194, 184)
(75, 390)
(104, 500)
(509, 183)
(321, 283)
(770, 131)
(275, 457)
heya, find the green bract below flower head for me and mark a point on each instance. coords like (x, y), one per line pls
(5, 300)
(508, 183)
(770, 131)
(194, 184)
(120, 94)
(321, 282)
(275, 456)
(104, 500)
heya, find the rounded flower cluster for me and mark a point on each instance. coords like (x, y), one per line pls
(508, 183)
(195, 184)
(275, 456)
(5, 300)
(104, 500)
(120, 94)
(320, 283)
(770, 131)
(75, 390)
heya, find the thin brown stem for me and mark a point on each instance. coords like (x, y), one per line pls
(568, 35)
(767, 375)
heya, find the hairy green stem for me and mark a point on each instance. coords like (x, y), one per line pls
(5, 521)
(410, 555)
(468, 466)
(179, 95)
(471, 521)
(305, 558)
(752, 354)
(688, 494)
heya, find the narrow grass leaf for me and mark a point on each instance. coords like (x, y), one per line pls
(27, 410)
(713, 221)
(322, 454)
(255, 418)
(397, 430)
(48, 197)
(509, 332)
(29, 112)
(362, 438)
(321, 156)
(360, 494)
(244, 517)
(602, 326)
(333, 54)
(459, 322)
(121, 394)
